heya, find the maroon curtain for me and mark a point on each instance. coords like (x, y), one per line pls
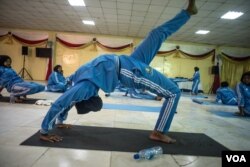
(29, 42)
(49, 69)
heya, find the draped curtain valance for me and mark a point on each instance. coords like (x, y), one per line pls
(81, 41)
(187, 55)
(25, 38)
(235, 58)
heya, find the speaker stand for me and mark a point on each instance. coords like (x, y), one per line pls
(23, 70)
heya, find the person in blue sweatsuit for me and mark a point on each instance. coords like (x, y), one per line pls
(57, 82)
(196, 81)
(226, 95)
(243, 93)
(133, 71)
(14, 84)
(141, 94)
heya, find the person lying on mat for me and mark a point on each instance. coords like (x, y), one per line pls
(14, 84)
(57, 82)
(196, 81)
(226, 95)
(142, 94)
(243, 93)
(133, 71)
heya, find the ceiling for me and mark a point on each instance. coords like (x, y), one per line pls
(131, 18)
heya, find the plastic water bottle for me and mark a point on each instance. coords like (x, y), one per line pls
(149, 153)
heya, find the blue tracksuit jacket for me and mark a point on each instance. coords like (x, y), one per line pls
(226, 96)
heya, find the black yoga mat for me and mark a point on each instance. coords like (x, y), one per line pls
(26, 101)
(129, 140)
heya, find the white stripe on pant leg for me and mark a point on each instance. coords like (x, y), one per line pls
(157, 88)
(23, 89)
(145, 82)
(166, 114)
(195, 86)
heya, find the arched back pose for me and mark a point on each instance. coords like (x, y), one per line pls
(132, 71)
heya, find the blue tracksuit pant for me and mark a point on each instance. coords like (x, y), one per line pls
(196, 82)
(133, 71)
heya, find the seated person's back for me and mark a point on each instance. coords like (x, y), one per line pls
(226, 95)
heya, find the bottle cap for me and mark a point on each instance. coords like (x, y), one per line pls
(136, 156)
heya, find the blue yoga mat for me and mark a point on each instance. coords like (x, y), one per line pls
(204, 102)
(227, 114)
(193, 96)
(130, 107)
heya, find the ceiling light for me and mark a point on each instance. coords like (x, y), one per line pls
(76, 3)
(202, 32)
(89, 22)
(232, 15)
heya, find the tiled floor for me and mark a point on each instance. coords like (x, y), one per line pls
(20, 121)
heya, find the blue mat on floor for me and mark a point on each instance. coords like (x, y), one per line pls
(130, 107)
(227, 114)
(204, 102)
(193, 96)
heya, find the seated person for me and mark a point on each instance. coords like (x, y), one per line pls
(57, 82)
(226, 95)
(243, 93)
(14, 84)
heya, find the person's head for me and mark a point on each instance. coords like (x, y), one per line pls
(224, 84)
(92, 104)
(5, 61)
(245, 78)
(196, 68)
(58, 68)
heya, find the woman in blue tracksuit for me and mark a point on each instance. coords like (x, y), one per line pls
(196, 81)
(14, 84)
(141, 94)
(243, 93)
(57, 82)
(133, 72)
(226, 95)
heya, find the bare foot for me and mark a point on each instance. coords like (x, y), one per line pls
(50, 138)
(192, 9)
(64, 126)
(158, 136)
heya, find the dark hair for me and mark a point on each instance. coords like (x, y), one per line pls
(244, 74)
(224, 84)
(57, 67)
(92, 104)
(196, 68)
(3, 58)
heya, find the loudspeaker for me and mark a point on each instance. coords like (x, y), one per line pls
(215, 70)
(24, 50)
